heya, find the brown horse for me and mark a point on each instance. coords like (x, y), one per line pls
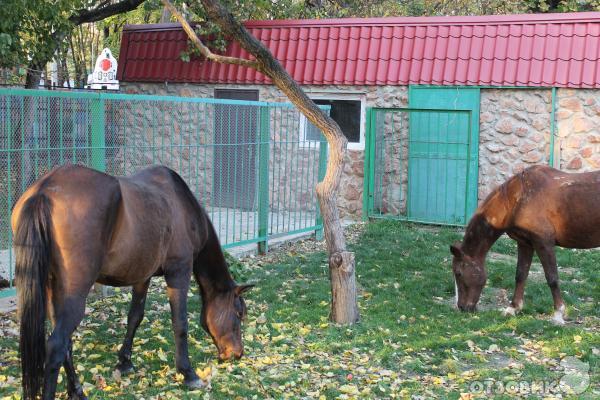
(539, 208)
(76, 226)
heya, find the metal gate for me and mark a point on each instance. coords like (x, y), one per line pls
(120, 134)
(418, 165)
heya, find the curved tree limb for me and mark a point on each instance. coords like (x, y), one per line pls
(204, 50)
(104, 10)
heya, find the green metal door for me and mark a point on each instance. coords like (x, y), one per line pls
(443, 155)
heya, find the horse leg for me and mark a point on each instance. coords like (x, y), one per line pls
(548, 259)
(178, 285)
(524, 257)
(68, 313)
(135, 316)
(74, 388)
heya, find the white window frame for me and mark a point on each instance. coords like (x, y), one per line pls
(337, 96)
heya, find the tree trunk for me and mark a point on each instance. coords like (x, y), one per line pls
(344, 309)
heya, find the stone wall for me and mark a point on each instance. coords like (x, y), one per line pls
(578, 129)
(514, 133)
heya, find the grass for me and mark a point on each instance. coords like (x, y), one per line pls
(409, 342)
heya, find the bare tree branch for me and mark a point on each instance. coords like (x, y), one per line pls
(104, 10)
(205, 51)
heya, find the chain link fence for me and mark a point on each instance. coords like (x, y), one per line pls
(248, 163)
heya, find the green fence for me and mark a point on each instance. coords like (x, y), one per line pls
(418, 163)
(246, 162)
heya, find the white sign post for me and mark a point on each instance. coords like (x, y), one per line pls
(105, 72)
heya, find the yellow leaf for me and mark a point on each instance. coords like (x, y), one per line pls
(304, 331)
(206, 374)
(349, 389)
(161, 355)
(577, 339)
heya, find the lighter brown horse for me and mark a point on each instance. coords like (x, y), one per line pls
(539, 208)
(76, 226)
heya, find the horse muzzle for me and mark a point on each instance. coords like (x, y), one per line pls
(229, 354)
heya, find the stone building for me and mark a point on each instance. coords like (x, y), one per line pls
(528, 82)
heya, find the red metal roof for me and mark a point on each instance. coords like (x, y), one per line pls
(561, 50)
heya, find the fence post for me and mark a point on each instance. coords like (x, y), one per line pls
(98, 131)
(98, 153)
(263, 178)
(367, 167)
(322, 170)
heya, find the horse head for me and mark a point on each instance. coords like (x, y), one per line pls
(222, 317)
(469, 278)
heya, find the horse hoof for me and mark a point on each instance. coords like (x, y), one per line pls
(125, 368)
(79, 395)
(559, 315)
(558, 319)
(509, 312)
(196, 383)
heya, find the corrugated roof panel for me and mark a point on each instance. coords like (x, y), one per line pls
(596, 75)
(535, 50)
(383, 58)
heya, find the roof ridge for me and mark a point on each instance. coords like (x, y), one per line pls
(548, 18)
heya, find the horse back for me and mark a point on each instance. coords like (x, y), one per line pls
(156, 229)
(542, 203)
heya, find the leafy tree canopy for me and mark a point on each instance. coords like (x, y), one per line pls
(25, 27)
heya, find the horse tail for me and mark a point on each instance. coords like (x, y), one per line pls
(32, 259)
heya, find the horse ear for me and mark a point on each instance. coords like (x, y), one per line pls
(239, 290)
(456, 251)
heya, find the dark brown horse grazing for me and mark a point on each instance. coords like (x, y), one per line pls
(76, 226)
(539, 208)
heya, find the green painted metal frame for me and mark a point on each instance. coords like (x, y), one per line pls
(98, 140)
(552, 128)
(321, 171)
(263, 180)
(369, 163)
(472, 173)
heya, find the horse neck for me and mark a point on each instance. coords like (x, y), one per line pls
(479, 237)
(210, 268)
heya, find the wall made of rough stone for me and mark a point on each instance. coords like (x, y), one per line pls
(514, 133)
(578, 129)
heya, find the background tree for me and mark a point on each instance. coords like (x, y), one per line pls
(32, 31)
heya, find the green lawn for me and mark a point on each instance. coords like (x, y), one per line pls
(410, 340)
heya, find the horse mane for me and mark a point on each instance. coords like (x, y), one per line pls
(209, 260)
(499, 206)
(493, 216)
